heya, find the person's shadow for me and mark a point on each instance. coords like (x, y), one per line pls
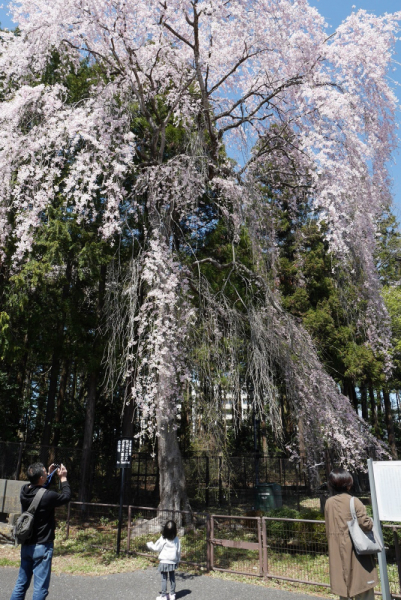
(185, 577)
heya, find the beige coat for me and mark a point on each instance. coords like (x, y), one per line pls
(350, 574)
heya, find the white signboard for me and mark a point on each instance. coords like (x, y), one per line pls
(388, 489)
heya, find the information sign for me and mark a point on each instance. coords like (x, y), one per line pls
(124, 457)
(387, 476)
(381, 557)
(124, 453)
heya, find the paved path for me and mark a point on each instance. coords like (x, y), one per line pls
(144, 585)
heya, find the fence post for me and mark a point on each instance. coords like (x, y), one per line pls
(138, 477)
(397, 555)
(211, 553)
(67, 529)
(208, 543)
(220, 483)
(260, 542)
(129, 529)
(264, 542)
(207, 482)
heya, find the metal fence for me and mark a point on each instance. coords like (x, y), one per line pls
(96, 526)
(92, 525)
(289, 549)
(193, 528)
(268, 547)
(211, 480)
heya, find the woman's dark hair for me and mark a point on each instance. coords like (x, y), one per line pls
(340, 480)
(170, 530)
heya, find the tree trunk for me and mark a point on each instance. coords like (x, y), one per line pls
(16, 410)
(27, 397)
(86, 462)
(73, 386)
(173, 494)
(364, 402)
(60, 401)
(302, 449)
(55, 368)
(379, 409)
(354, 397)
(373, 412)
(388, 415)
(185, 422)
(349, 390)
(263, 432)
(50, 409)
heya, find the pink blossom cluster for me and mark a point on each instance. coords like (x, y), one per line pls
(325, 417)
(164, 319)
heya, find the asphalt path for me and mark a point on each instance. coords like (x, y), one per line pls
(145, 585)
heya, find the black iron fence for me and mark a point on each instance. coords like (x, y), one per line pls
(211, 480)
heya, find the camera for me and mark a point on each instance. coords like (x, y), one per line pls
(56, 466)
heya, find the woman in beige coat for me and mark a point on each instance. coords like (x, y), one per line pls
(351, 575)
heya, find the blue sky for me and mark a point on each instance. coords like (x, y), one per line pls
(335, 11)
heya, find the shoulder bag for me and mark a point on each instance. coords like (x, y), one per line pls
(24, 526)
(368, 542)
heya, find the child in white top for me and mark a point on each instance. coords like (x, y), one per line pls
(169, 548)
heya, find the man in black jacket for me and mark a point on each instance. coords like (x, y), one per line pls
(37, 552)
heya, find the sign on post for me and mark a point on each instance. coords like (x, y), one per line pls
(124, 453)
(388, 489)
(384, 479)
(124, 457)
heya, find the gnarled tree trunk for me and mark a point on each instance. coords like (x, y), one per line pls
(173, 494)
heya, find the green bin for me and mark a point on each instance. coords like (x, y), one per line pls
(268, 496)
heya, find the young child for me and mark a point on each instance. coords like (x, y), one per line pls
(169, 548)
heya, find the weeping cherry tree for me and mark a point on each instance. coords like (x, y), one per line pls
(261, 80)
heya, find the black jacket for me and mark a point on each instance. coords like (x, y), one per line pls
(44, 522)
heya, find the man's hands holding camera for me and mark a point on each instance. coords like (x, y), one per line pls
(61, 471)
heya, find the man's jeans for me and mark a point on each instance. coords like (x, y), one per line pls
(36, 560)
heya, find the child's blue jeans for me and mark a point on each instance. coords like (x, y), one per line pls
(164, 582)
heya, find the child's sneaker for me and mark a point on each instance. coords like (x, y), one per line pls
(162, 597)
(171, 597)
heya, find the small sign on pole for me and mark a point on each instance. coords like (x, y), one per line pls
(124, 459)
(124, 453)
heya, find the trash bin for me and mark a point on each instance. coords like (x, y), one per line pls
(268, 496)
